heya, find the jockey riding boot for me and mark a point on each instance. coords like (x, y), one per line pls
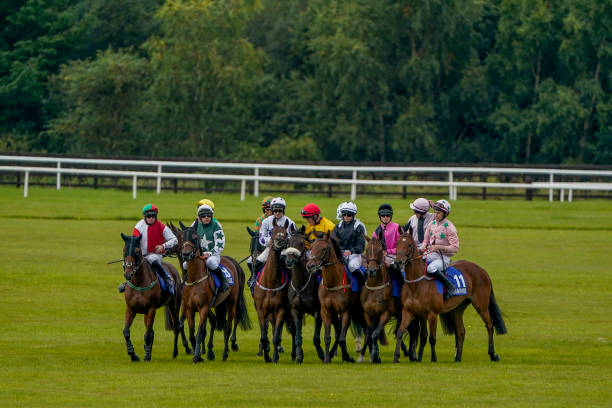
(121, 287)
(448, 285)
(256, 267)
(222, 278)
(165, 276)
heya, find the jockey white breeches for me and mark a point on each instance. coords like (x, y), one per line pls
(438, 262)
(353, 261)
(212, 262)
(263, 257)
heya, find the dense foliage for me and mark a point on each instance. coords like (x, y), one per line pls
(504, 81)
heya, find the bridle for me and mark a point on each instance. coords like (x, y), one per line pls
(325, 255)
(191, 243)
(130, 251)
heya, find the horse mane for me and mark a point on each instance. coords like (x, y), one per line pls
(335, 240)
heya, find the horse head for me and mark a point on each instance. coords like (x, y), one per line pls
(132, 257)
(255, 247)
(297, 247)
(374, 256)
(406, 250)
(320, 252)
(191, 243)
(279, 236)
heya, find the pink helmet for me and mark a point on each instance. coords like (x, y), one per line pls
(420, 205)
(442, 205)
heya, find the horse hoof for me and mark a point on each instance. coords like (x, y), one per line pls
(494, 357)
(396, 361)
(189, 351)
(321, 355)
(210, 356)
(281, 349)
(174, 354)
(434, 359)
(348, 360)
(259, 353)
(197, 359)
(268, 359)
(376, 360)
(134, 358)
(235, 347)
(225, 355)
(360, 359)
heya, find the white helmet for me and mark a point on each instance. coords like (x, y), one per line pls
(420, 205)
(278, 202)
(205, 210)
(442, 205)
(347, 207)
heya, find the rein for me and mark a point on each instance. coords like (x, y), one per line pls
(142, 289)
(299, 291)
(388, 283)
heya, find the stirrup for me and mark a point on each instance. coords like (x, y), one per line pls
(121, 287)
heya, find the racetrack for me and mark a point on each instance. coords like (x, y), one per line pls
(61, 342)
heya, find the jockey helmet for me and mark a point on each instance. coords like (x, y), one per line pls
(385, 209)
(278, 202)
(267, 202)
(150, 209)
(347, 207)
(421, 205)
(310, 210)
(205, 210)
(442, 205)
(206, 201)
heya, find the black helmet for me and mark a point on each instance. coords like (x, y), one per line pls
(385, 209)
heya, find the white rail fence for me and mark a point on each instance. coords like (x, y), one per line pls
(18, 164)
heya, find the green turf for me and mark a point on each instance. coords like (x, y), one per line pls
(61, 342)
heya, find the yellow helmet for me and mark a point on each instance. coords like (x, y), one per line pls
(206, 201)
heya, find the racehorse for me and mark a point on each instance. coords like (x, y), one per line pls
(303, 295)
(200, 295)
(270, 293)
(337, 299)
(421, 298)
(143, 294)
(379, 306)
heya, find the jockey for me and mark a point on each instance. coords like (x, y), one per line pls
(267, 211)
(278, 206)
(312, 214)
(212, 242)
(204, 201)
(418, 223)
(156, 239)
(441, 242)
(350, 233)
(390, 232)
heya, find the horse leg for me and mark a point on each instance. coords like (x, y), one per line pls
(337, 327)
(233, 338)
(263, 335)
(175, 327)
(210, 354)
(182, 330)
(432, 319)
(326, 319)
(406, 319)
(346, 318)
(422, 339)
(457, 317)
(231, 316)
(129, 318)
(278, 331)
(299, 352)
(368, 338)
(149, 333)
(191, 323)
(316, 339)
(201, 335)
(375, 353)
(483, 311)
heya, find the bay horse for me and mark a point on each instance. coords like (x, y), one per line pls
(421, 298)
(199, 295)
(303, 296)
(379, 306)
(270, 293)
(337, 299)
(143, 294)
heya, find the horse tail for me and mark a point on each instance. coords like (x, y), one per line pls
(447, 323)
(212, 318)
(168, 319)
(383, 339)
(496, 315)
(221, 316)
(243, 315)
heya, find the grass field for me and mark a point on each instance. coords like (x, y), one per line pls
(61, 315)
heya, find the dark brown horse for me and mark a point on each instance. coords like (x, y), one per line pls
(270, 293)
(337, 299)
(421, 298)
(143, 294)
(303, 296)
(379, 306)
(200, 295)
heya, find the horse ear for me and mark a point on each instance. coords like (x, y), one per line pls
(367, 238)
(138, 238)
(287, 225)
(251, 232)
(327, 234)
(303, 229)
(401, 231)
(125, 238)
(380, 235)
(183, 227)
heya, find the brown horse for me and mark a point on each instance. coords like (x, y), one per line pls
(200, 295)
(421, 298)
(143, 294)
(337, 299)
(303, 296)
(270, 293)
(379, 306)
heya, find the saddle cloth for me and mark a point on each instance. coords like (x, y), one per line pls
(226, 273)
(456, 277)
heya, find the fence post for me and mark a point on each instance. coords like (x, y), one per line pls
(354, 186)
(26, 181)
(256, 183)
(134, 180)
(159, 170)
(570, 195)
(450, 185)
(550, 190)
(561, 194)
(58, 182)
(242, 189)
